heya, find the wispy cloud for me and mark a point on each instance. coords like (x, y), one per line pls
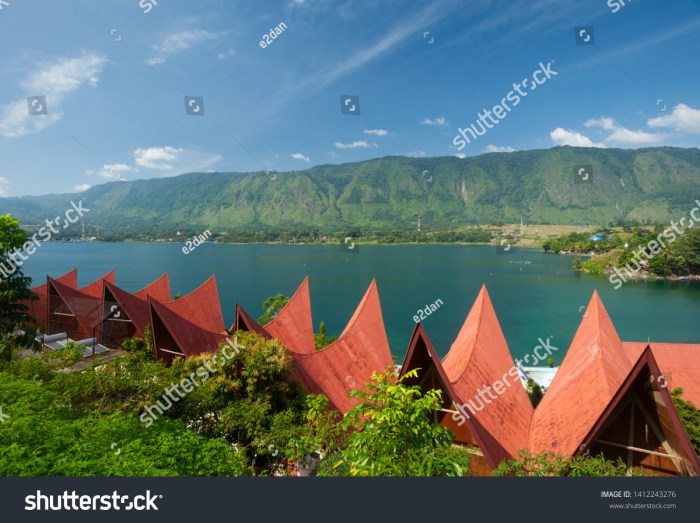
(4, 185)
(416, 154)
(55, 81)
(498, 149)
(354, 145)
(299, 156)
(112, 171)
(157, 157)
(440, 120)
(376, 132)
(620, 135)
(178, 42)
(82, 187)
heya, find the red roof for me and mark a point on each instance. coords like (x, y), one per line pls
(679, 363)
(94, 289)
(594, 368)
(39, 309)
(135, 308)
(159, 289)
(194, 322)
(293, 325)
(348, 363)
(190, 338)
(201, 307)
(479, 358)
(84, 308)
(245, 322)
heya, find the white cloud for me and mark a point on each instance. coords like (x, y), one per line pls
(178, 42)
(620, 135)
(376, 132)
(416, 154)
(299, 156)
(113, 171)
(4, 184)
(157, 157)
(82, 187)
(498, 149)
(683, 119)
(354, 145)
(226, 54)
(562, 136)
(440, 120)
(461, 156)
(55, 81)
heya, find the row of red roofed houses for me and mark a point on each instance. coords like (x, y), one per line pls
(608, 396)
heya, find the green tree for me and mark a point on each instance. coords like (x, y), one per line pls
(690, 416)
(14, 289)
(393, 433)
(271, 307)
(321, 338)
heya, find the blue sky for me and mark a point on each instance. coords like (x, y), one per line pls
(115, 74)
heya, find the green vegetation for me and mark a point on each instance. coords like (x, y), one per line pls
(551, 464)
(14, 288)
(389, 194)
(690, 416)
(321, 338)
(271, 307)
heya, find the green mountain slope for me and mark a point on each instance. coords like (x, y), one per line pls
(654, 184)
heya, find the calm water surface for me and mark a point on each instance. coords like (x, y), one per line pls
(534, 294)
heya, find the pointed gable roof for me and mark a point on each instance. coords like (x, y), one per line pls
(679, 362)
(159, 289)
(293, 325)
(94, 289)
(201, 307)
(658, 409)
(189, 337)
(348, 363)
(479, 357)
(135, 308)
(593, 370)
(84, 307)
(421, 355)
(38, 309)
(245, 322)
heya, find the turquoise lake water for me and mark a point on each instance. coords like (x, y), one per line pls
(535, 295)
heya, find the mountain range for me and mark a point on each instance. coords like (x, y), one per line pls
(562, 185)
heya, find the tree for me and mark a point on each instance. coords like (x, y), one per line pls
(14, 290)
(321, 338)
(271, 307)
(534, 391)
(393, 433)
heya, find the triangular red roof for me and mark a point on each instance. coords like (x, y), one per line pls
(135, 308)
(593, 370)
(85, 308)
(245, 322)
(38, 309)
(94, 289)
(293, 325)
(662, 423)
(190, 338)
(201, 307)
(479, 358)
(348, 363)
(679, 363)
(158, 289)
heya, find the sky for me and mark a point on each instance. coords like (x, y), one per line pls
(341, 81)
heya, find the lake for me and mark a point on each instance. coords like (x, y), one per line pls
(536, 295)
